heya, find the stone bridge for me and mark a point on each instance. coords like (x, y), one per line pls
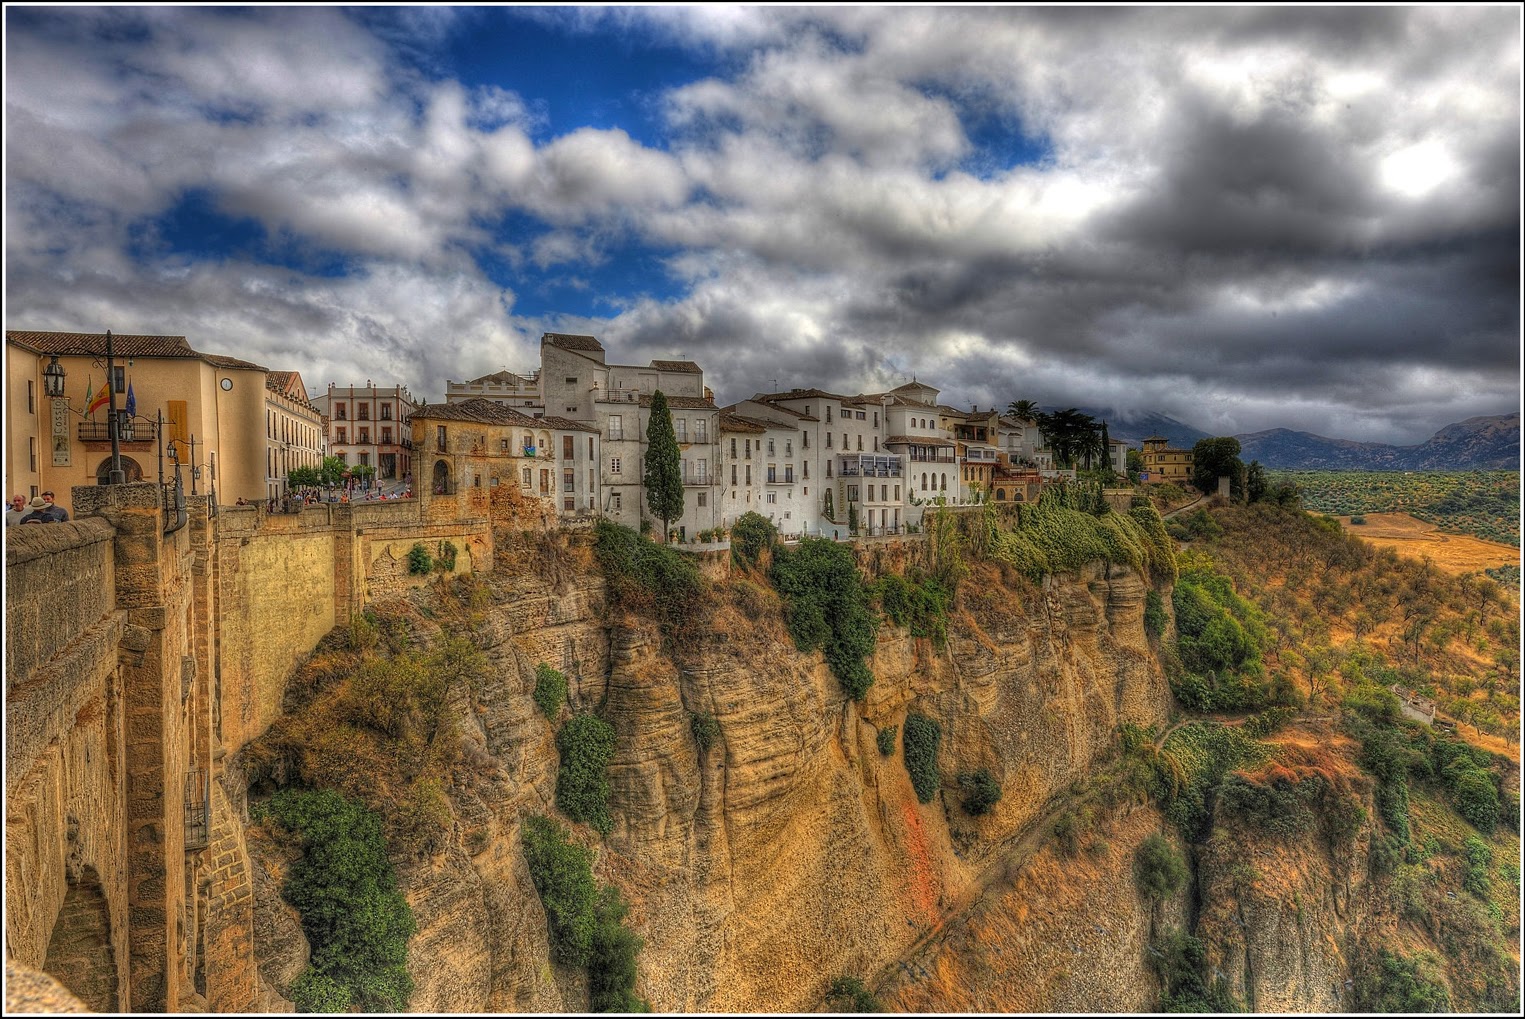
(141, 652)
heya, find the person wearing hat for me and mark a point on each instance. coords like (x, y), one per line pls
(39, 512)
(16, 510)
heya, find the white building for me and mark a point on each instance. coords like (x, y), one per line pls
(578, 384)
(521, 392)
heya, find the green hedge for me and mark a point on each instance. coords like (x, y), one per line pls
(563, 876)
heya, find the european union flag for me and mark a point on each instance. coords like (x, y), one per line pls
(132, 402)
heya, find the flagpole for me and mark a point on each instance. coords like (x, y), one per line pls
(117, 476)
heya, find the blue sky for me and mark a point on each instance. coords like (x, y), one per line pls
(1306, 217)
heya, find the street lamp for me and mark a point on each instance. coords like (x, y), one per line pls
(53, 379)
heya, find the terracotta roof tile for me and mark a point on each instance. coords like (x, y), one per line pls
(486, 412)
(677, 366)
(125, 345)
(797, 394)
(737, 423)
(567, 424)
(683, 402)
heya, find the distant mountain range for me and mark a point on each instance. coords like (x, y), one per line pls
(1476, 444)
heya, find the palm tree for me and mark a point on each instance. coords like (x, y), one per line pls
(1022, 410)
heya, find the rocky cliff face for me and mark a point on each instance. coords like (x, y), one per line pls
(791, 851)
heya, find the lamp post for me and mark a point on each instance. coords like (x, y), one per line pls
(53, 379)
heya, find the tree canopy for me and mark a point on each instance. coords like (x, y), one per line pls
(1212, 459)
(663, 474)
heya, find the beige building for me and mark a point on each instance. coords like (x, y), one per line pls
(478, 451)
(368, 427)
(1161, 463)
(213, 407)
(293, 430)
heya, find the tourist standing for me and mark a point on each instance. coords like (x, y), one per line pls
(16, 510)
(59, 514)
(38, 512)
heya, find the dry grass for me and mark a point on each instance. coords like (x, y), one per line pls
(1454, 553)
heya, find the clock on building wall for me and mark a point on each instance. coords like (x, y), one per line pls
(227, 384)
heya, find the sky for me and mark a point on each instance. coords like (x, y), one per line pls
(1244, 218)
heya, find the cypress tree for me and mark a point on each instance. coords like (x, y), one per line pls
(663, 476)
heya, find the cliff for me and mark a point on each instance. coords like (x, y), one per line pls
(790, 852)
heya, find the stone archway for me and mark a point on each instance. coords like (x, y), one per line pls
(129, 467)
(441, 478)
(79, 952)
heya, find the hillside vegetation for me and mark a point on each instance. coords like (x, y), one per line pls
(1481, 503)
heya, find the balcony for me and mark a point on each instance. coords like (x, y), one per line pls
(868, 465)
(700, 478)
(131, 431)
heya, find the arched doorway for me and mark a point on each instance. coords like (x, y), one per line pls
(129, 467)
(441, 478)
(79, 952)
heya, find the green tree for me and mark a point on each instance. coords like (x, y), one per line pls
(1212, 459)
(331, 473)
(1022, 410)
(663, 476)
(1255, 484)
(1158, 868)
(1135, 461)
(306, 476)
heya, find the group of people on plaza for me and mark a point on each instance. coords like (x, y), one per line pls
(41, 510)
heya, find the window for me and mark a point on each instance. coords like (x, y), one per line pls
(852, 493)
(876, 419)
(844, 441)
(772, 498)
(614, 465)
(616, 430)
(733, 449)
(590, 449)
(568, 447)
(876, 444)
(119, 380)
(569, 480)
(386, 412)
(788, 474)
(386, 435)
(861, 416)
(571, 380)
(343, 458)
(828, 440)
(897, 493)
(788, 447)
(614, 502)
(504, 446)
(749, 449)
(365, 435)
(828, 468)
(680, 428)
(770, 447)
(704, 499)
(364, 410)
(343, 437)
(365, 459)
(884, 493)
(32, 451)
(31, 397)
(338, 412)
(772, 473)
(806, 466)
(701, 430)
(749, 474)
(733, 475)
(569, 503)
(439, 438)
(860, 442)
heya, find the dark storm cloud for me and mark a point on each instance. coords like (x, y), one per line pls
(1222, 214)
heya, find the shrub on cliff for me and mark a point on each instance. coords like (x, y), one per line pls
(355, 919)
(586, 746)
(981, 791)
(884, 739)
(1158, 868)
(647, 577)
(1155, 619)
(919, 744)
(847, 994)
(826, 607)
(550, 690)
(706, 729)
(611, 964)
(917, 603)
(562, 874)
(419, 559)
(751, 534)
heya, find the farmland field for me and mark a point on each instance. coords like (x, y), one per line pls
(1485, 504)
(1455, 553)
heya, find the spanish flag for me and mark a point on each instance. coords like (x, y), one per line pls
(101, 398)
